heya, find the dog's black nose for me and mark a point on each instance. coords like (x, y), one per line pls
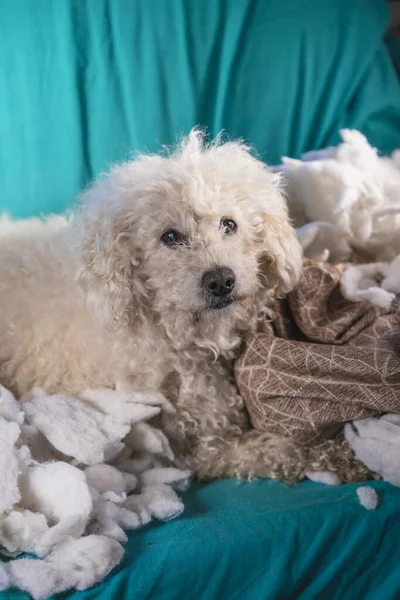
(219, 282)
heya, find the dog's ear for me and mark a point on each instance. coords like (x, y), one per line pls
(281, 259)
(108, 275)
(281, 254)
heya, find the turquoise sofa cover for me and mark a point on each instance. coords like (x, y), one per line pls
(85, 82)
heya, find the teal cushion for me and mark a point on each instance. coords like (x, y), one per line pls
(393, 43)
(262, 541)
(83, 82)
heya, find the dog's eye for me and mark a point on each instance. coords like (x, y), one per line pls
(228, 225)
(171, 238)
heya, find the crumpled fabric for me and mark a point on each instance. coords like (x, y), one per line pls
(321, 362)
(75, 475)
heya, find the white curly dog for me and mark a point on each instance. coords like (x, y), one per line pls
(151, 284)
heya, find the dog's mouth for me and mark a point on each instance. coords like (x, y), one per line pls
(221, 302)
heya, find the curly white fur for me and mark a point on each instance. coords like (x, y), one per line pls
(96, 299)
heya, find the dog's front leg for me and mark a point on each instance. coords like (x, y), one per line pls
(252, 454)
(216, 433)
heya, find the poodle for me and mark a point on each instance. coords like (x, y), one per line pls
(151, 284)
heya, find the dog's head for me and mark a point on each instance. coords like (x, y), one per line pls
(197, 231)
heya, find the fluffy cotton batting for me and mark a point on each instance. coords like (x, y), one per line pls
(106, 478)
(75, 429)
(72, 512)
(351, 188)
(360, 283)
(9, 467)
(78, 563)
(324, 477)
(376, 442)
(57, 490)
(368, 497)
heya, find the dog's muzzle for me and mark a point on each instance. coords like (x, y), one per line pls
(219, 287)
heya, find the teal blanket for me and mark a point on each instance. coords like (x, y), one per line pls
(84, 82)
(262, 541)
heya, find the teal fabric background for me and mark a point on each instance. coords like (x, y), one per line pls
(262, 541)
(85, 82)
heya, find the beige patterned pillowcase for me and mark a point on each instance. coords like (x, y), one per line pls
(322, 362)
